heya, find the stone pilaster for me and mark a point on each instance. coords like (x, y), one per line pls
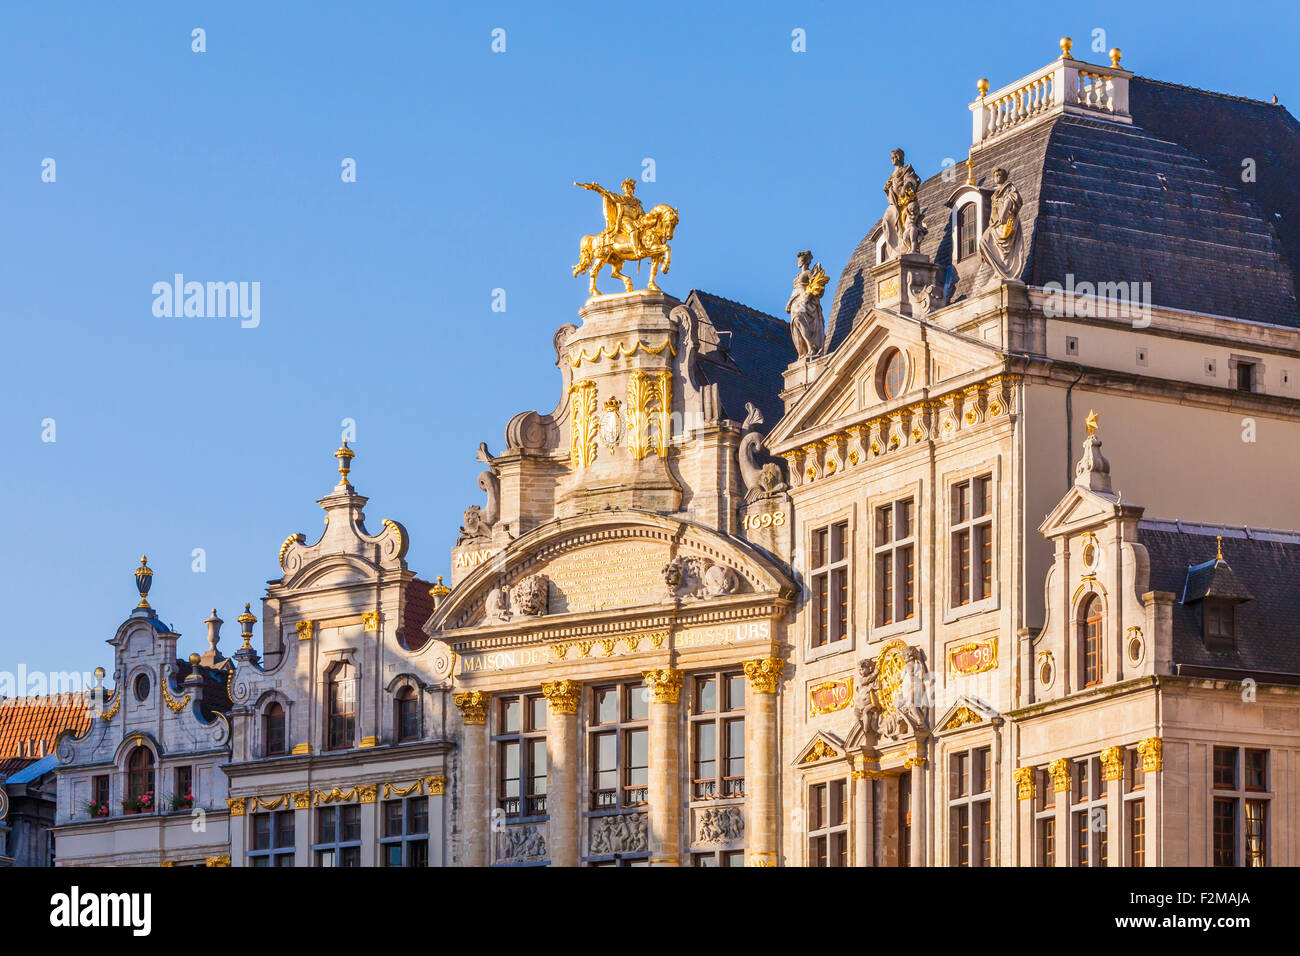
(562, 759)
(473, 707)
(917, 764)
(665, 790)
(761, 782)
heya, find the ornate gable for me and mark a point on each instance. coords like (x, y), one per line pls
(626, 566)
(855, 381)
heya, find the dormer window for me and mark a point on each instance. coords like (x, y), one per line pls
(967, 231)
(1220, 622)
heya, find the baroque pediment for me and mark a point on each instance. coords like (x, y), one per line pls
(607, 562)
(822, 747)
(849, 387)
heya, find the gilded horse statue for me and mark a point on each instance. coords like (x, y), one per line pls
(630, 235)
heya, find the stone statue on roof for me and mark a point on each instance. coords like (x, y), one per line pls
(807, 324)
(1003, 244)
(900, 189)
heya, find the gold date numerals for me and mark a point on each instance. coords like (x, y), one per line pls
(769, 519)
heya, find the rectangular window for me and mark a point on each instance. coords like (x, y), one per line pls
(830, 587)
(970, 520)
(1225, 768)
(1256, 832)
(1090, 818)
(520, 742)
(1240, 827)
(895, 562)
(1137, 832)
(1225, 832)
(1047, 842)
(1220, 622)
(338, 836)
(184, 783)
(828, 827)
(1245, 376)
(272, 839)
(619, 746)
(967, 230)
(717, 735)
(970, 808)
(405, 839)
(99, 789)
(1256, 769)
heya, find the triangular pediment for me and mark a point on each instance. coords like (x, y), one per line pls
(822, 748)
(607, 566)
(967, 711)
(851, 386)
(1081, 509)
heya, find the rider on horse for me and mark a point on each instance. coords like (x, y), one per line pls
(622, 214)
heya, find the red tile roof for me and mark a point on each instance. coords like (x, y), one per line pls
(30, 725)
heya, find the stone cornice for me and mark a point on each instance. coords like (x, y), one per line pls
(390, 754)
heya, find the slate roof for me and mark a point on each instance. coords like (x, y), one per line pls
(1266, 565)
(1161, 201)
(216, 699)
(758, 352)
(30, 725)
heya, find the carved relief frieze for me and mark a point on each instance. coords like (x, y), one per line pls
(715, 826)
(623, 833)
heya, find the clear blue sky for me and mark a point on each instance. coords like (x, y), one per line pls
(181, 433)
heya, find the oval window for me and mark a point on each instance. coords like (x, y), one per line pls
(893, 374)
(142, 687)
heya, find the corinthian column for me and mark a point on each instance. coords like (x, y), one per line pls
(764, 675)
(562, 771)
(473, 711)
(665, 789)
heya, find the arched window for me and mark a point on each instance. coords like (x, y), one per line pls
(139, 776)
(967, 230)
(406, 716)
(273, 730)
(341, 701)
(1090, 640)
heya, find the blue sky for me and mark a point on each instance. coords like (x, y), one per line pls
(376, 296)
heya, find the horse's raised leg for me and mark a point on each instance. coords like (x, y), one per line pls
(616, 271)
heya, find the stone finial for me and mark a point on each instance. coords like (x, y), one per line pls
(1066, 43)
(1093, 470)
(1115, 54)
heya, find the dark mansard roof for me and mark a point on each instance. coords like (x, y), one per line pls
(1162, 201)
(1259, 572)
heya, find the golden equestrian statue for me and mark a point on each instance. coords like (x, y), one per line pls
(630, 235)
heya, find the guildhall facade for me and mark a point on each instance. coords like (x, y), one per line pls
(856, 589)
